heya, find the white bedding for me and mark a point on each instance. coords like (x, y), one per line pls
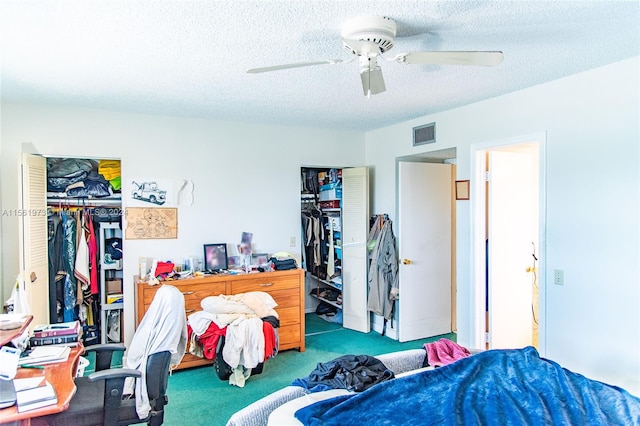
(284, 415)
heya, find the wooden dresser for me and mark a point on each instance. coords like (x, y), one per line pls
(286, 288)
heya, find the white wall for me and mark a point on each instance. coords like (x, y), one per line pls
(592, 122)
(246, 176)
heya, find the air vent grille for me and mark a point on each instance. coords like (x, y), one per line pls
(424, 134)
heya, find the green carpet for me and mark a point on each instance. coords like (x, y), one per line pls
(198, 397)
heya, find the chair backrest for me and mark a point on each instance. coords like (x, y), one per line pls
(158, 374)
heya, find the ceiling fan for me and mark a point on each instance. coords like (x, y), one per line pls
(368, 37)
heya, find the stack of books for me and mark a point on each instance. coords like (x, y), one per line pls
(64, 333)
(42, 355)
(36, 397)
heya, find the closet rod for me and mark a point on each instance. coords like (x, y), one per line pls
(80, 202)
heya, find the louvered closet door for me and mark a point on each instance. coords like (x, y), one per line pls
(355, 229)
(33, 235)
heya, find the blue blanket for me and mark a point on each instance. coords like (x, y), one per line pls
(505, 387)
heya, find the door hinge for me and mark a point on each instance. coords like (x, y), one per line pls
(486, 337)
(486, 175)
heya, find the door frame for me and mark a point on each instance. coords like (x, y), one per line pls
(477, 251)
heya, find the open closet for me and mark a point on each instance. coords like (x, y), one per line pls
(84, 232)
(335, 226)
(321, 200)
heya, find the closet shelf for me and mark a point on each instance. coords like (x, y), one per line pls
(111, 267)
(332, 303)
(112, 306)
(329, 283)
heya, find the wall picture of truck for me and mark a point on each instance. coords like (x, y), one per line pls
(148, 191)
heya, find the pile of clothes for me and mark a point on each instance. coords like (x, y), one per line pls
(83, 178)
(355, 373)
(283, 263)
(249, 325)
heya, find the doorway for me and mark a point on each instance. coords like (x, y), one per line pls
(507, 239)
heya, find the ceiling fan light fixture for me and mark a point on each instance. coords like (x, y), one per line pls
(372, 81)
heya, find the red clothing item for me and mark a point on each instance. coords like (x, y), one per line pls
(209, 340)
(93, 257)
(269, 340)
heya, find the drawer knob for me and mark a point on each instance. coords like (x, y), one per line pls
(186, 293)
(266, 285)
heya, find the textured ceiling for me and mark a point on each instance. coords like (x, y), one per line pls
(189, 58)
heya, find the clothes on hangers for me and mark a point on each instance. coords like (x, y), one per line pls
(383, 272)
(314, 238)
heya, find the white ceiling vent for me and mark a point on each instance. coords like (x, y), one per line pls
(424, 134)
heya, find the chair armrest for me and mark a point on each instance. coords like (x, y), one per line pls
(104, 354)
(114, 380)
(114, 373)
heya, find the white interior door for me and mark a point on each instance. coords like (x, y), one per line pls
(34, 266)
(424, 239)
(513, 232)
(355, 230)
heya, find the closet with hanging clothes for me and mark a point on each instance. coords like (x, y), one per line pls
(335, 206)
(321, 223)
(81, 195)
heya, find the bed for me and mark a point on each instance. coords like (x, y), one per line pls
(514, 386)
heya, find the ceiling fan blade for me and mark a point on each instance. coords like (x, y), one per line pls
(451, 58)
(296, 65)
(372, 81)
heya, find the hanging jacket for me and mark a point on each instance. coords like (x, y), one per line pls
(69, 256)
(92, 243)
(383, 274)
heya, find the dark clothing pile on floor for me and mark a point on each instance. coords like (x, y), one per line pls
(354, 373)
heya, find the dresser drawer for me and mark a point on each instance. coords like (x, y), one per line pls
(190, 360)
(289, 336)
(194, 293)
(285, 298)
(265, 283)
(288, 316)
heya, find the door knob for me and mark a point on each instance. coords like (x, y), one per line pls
(406, 261)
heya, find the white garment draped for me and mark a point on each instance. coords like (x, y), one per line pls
(163, 328)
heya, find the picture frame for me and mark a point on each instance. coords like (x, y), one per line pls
(151, 223)
(215, 257)
(233, 262)
(462, 189)
(259, 258)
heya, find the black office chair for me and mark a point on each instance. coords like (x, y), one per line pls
(100, 399)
